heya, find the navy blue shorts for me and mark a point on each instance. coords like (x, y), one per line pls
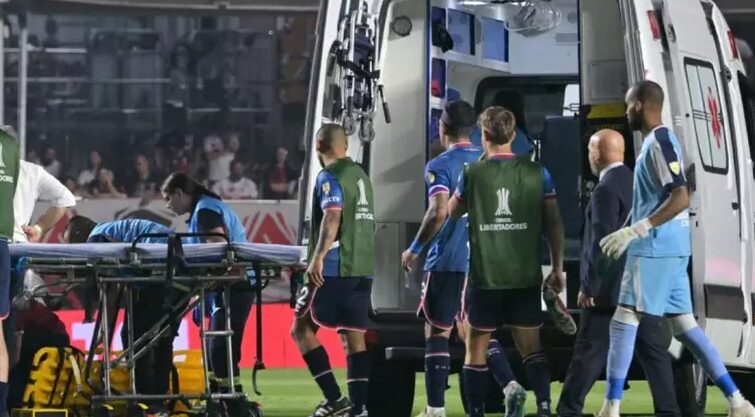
(342, 303)
(441, 298)
(4, 279)
(488, 310)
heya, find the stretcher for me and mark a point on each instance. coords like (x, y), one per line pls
(109, 272)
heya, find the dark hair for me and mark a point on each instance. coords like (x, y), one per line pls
(190, 186)
(648, 92)
(79, 228)
(498, 125)
(458, 119)
(513, 102)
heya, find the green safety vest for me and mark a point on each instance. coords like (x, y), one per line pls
(356, 233)
(505, 205)
(9, 165)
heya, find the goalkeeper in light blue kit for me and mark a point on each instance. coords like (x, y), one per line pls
(658, 249)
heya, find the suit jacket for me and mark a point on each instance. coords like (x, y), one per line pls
(607, 211)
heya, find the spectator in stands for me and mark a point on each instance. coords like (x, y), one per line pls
(33, 157)
(236, 186)
(51, 163)
(104, 185)
(72, 185)
(143, 183)
(218, 159)
(280, 180)
(90, 173)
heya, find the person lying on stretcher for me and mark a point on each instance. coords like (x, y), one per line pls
(153, 369)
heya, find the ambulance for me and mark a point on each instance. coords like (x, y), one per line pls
(384, 69)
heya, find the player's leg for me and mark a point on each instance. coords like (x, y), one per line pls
(652, 352)
(353, 321)
(685, 329)
(304, 334)
(4, 311)
(588, 361)
(644, 288)
(523, 316)
(476, 371)
(439, 306)
(498, 365)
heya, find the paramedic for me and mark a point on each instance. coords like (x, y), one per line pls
(153, 369)
(447, 261)
(514, 102)
(9, 167)
(511, 203)
(209, 214)
(658, 249)
(336, 294)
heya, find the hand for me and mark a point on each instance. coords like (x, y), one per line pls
(33, 233)
(617, 242)
(407, 259)
(556, 280)
(585, 301)
(314, 272)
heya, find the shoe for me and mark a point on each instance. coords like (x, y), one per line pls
(362, 414)
(746, 410)
(544, 409)
(337, 408)
(242, 407)
(608, 410)
(516, 398)
(558, 312)
(432, 413)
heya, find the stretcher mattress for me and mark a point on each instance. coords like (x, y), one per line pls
(206, 252)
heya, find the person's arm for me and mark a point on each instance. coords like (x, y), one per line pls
(457, 206)
(438, 189)
(61, 200)
(677, 201)
(330, 196)
(605, 220)
(210, 221)
(554, 233)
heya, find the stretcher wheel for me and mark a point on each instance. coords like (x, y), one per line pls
(215, 409)
(104, 410)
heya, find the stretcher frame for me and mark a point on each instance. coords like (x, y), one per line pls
(104, 273)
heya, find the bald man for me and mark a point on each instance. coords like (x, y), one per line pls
(336, 294)
(606, 212)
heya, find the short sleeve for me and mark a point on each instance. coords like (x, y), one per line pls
(549, 189)
(329, 192)
(208, 219)
(52, 190)
(666, 163)
(437, 180)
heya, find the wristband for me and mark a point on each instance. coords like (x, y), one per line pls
(416, 247)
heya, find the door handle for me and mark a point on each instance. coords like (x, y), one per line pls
(735, 205)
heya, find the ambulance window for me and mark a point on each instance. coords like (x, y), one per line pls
(707, 115)
(748, 102)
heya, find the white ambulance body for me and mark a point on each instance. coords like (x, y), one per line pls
(572, 68)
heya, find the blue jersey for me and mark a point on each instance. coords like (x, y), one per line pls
(233, 226)
(329, 195)
(520, 146)
(658, 170)
(127, 231)
(449, 251)
(549, 189)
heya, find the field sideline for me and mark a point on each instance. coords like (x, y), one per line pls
(292, 393)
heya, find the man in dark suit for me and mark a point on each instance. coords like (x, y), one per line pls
(606, 212)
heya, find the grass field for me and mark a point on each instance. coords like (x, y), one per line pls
(292, 393)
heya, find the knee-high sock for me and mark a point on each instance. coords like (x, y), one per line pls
(498, 364)
(319, 366)
(358, 370)
(692, 336)
(475, 389)
(620, 353)
(539, 376)
(437, 366)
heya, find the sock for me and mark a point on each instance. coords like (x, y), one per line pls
(620, 353)
(358, 372)
(3, 397)
(499, 364)
(539, 377)
(475, 389)
(319, 366)
(437, 366)
(710, 360)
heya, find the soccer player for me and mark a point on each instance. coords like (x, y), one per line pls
(336, 293)
(510, 201)
(153, 369)
(209, 214)
(9, 166)
(447, 263)
(655, 276)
